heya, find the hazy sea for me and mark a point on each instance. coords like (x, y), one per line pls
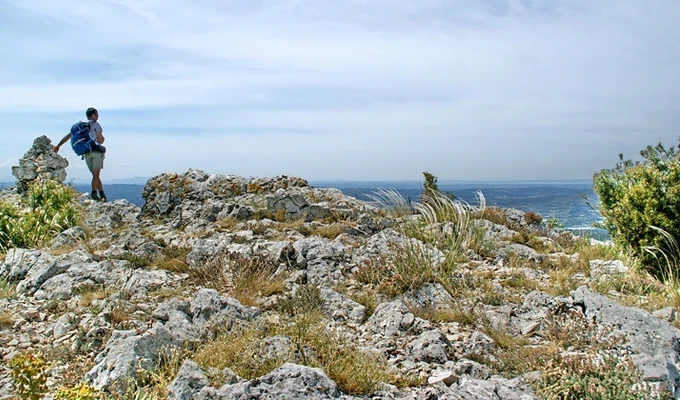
(566, 201)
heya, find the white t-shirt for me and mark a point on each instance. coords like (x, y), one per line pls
(95, 128)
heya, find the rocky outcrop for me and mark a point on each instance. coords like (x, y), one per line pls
(86, 293)
(39, 163)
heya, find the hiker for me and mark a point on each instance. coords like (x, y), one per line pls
(93, 158)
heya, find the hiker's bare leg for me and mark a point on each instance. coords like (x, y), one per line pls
(96, 182)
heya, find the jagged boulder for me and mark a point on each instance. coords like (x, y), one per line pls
(39, 163)
(189, 380)
(126, 354)
(193, 321)
(290, 381)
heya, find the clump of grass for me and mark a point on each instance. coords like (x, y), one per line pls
(246, 278)
(173, 259)
(6, 320)
(156, 381)
(8, 290)
(393, 201)
(328, 231)
(457, 312)
(89, 293)
(227, 224)
(305, 300)
(531, 218)
(517, 280)
(405, 268)
(495, 215)
(367, 298)
(532, 240)
(136, 262)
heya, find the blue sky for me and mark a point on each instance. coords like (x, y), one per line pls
(355, 89)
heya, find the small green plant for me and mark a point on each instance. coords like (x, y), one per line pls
(28, 372)
(82, 391)
(554, 223)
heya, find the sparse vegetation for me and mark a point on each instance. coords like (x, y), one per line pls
(356, 371)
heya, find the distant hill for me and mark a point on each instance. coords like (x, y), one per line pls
(131, 193)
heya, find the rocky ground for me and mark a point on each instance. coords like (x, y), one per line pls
(227, 288)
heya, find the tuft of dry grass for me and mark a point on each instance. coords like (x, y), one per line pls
(6, 320)
(227, 224)
(173, 259)
(329, 231)
(405, 268)
(246, 278)
(155, 382)
(495, 215)
(89, 293)
(7, 290)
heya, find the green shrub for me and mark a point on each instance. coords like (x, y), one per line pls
(28, 373)
(636, 195)
(49, 208)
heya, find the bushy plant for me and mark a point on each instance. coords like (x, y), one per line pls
(49, 208)
(636, 195)
(28, 372)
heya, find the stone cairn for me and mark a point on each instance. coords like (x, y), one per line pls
(39, 163)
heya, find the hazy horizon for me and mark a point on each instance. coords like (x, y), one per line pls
(490, 90)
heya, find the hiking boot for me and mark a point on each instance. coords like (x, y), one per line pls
(102, 197)
(94, 196)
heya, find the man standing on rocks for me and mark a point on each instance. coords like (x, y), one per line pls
(93, 159)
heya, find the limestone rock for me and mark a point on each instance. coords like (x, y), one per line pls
(39, 163)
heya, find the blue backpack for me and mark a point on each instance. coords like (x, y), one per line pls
(81, 141)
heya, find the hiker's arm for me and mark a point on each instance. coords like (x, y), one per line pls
(100, 137)
(62, 141)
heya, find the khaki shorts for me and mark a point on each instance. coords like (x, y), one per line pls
(94, 160)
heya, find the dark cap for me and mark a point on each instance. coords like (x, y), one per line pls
(90, 111)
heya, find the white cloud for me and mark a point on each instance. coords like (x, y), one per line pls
(363, 89)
